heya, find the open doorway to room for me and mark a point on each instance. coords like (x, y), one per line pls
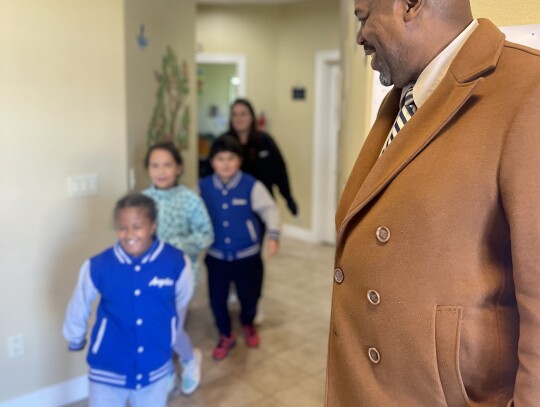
(221, 78)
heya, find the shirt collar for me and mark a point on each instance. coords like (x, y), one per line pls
(232, 183)
(148, 256)
(433, 74)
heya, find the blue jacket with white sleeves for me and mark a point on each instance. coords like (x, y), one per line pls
(131, 342)
(233, 208)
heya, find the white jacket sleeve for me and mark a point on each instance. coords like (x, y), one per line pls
(264, 205)
(79, 309)
(185, 285)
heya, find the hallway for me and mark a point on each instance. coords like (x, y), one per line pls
(288, 369)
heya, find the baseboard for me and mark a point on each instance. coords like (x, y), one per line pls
(53, 396)
(296, 232)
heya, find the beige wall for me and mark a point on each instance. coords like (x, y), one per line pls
(167, 23)
(280, 43)
(358, 74)
(62, 107)
(248, 30)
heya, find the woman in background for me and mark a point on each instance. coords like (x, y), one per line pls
(262, 157)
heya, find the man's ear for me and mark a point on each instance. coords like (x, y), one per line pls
(412, 8)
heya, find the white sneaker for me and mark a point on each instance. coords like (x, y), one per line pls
(191, 373)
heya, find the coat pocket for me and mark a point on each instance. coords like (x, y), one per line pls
(447, 339)
(99, 336)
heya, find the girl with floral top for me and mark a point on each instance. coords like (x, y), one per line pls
(184, 223)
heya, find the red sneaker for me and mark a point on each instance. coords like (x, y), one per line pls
(252, 338)
(225, 344)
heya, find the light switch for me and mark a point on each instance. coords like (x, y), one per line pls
(82, 185)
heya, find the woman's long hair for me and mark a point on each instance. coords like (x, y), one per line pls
(253, 127)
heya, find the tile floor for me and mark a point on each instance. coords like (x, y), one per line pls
(288, 369)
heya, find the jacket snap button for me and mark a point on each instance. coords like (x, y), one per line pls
(374, 297)
(383, 234)
(374, 355)
(338, 275)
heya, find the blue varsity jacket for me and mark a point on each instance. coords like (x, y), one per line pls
(131, 342)
(236, 227)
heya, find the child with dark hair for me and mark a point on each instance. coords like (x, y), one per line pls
(234, 200)
(184, 223)
(141, 282)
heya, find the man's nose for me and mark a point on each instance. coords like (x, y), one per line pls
(360, 38)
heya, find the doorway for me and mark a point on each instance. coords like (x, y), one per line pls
(221, 78)
(325, 152)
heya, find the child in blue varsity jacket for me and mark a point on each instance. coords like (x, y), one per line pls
(184, 223)
(234, 200)
(141, 282)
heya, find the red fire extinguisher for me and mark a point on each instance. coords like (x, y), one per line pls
(261, 122)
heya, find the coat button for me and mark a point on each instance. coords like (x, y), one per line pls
(137, 268)
(374, 355)
(373, 297)
(383, 234)
(338, 275)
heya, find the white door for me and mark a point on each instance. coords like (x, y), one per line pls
(334, 111)
(326, 136)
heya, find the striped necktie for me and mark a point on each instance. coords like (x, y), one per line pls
(408, 108)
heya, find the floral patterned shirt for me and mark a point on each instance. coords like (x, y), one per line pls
(183, 221)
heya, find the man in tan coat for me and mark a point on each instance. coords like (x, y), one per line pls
(436, 297)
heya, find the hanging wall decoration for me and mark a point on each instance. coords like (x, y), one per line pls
(171, 117)
(142, 40)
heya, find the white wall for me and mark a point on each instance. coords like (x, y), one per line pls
(62, 107)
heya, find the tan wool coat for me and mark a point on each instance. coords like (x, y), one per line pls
(436, 296)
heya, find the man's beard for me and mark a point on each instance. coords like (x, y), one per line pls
(385, 74)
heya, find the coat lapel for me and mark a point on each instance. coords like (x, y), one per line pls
(369, 153)
(372, 174)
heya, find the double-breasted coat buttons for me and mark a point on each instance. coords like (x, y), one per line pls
(374, 355)
(383, 234)
(373, 297)
(338, 275)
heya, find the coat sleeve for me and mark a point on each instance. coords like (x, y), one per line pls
(79, 309)
(281, 176)
(520, 193)
(264, 205)
(201, 233)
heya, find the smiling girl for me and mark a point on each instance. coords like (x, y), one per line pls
(142, 281)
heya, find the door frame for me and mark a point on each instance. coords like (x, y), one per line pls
(322, 143)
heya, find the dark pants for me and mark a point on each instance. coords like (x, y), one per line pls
(247, 276)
